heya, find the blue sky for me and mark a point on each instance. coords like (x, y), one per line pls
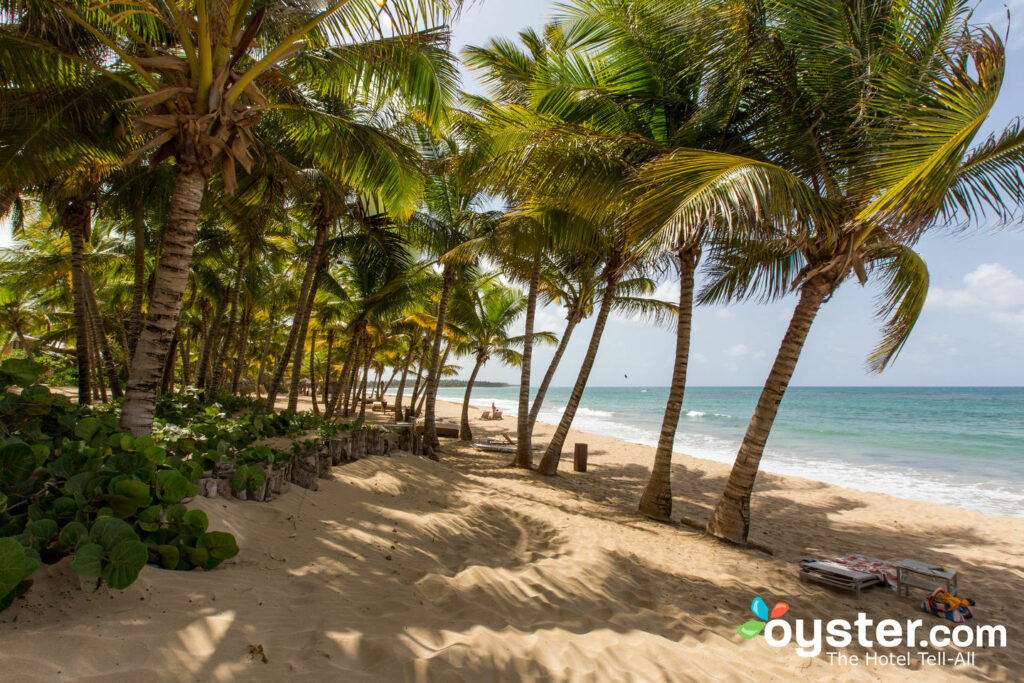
(971, 332)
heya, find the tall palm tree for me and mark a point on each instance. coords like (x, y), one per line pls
(246, 61)
(851, 161)
(452, 215)
(483, 313)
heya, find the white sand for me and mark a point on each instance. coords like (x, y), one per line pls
(402, 569)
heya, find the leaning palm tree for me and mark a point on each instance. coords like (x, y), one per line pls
(851, 161)
(203, 74)
(452, 215)
(483, 313)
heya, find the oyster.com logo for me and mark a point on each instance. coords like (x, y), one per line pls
(914, 637)
(750, 629)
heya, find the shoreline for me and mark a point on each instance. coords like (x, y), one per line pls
(680, 459)
(405, 569)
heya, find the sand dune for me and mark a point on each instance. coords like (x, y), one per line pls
(402, 569)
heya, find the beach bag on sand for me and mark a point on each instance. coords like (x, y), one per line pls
(942, 604)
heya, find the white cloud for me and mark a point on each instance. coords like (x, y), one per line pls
(738, 350)
(992, 290)
(667, 291)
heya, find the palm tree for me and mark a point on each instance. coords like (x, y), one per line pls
(452, 216)
(574, 282)
(851, 160)
(245, 61)
(483, 313)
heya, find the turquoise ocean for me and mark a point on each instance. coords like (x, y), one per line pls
(959, 446)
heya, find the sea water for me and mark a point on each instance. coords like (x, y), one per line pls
(960, 446)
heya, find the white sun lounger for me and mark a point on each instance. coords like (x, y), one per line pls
(837, 576)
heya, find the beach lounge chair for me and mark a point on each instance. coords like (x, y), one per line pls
(444, 428)
(837, 576)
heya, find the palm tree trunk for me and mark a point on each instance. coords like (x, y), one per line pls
(538, 400)
(209, 342)
(465, 433)
(327, 368)
(183, 351)
(139, 282)
(238, 368)
(300, 347)
(271, 320)
(361, 396)
(346, 367)
(229, 334)
(352, 382)
(76, 220)
(185, 346)
(99, 334)
(730, 520)
(299, 322)
(165, 304)
(424, 355)
(524, 444)
(656, 501)
(444, 361)
(97, 364)
(552, 456)
(24, 343)
(429, 416)
(312, 374)
(399, 412)
(167, 381)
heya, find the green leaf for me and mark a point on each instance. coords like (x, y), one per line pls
(12, 565)
(167, 555)
(88, 559)
(155, 454)
(40, 532)
(41, 453)
(72, 534)
(123, 506)
(222, 545)
(133, 464)
(110, 531)
(170, 486)
(127, 443)
(125, 562)
(17, 462)
(150, 514)
(133, 488)
(196, 521)
(750, 628)
(176, 513)
(197, 556)
(21, 372)
(87, 428)
(239, 478)
(65, 507)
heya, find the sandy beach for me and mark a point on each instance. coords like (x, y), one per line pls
(403, 569)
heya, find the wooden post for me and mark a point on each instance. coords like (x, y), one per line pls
(579, 458)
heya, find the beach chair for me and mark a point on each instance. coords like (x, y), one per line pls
(837, 576)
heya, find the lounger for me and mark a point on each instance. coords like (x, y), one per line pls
(837, 576)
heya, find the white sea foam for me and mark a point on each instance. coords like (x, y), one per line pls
(933, 486)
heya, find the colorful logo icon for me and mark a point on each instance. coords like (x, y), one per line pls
(751, 628)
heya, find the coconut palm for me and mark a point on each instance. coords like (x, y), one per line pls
(248, 61)
(452, 215)
(483, 314)
(851, 161)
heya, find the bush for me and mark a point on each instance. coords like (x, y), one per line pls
(72, 483)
